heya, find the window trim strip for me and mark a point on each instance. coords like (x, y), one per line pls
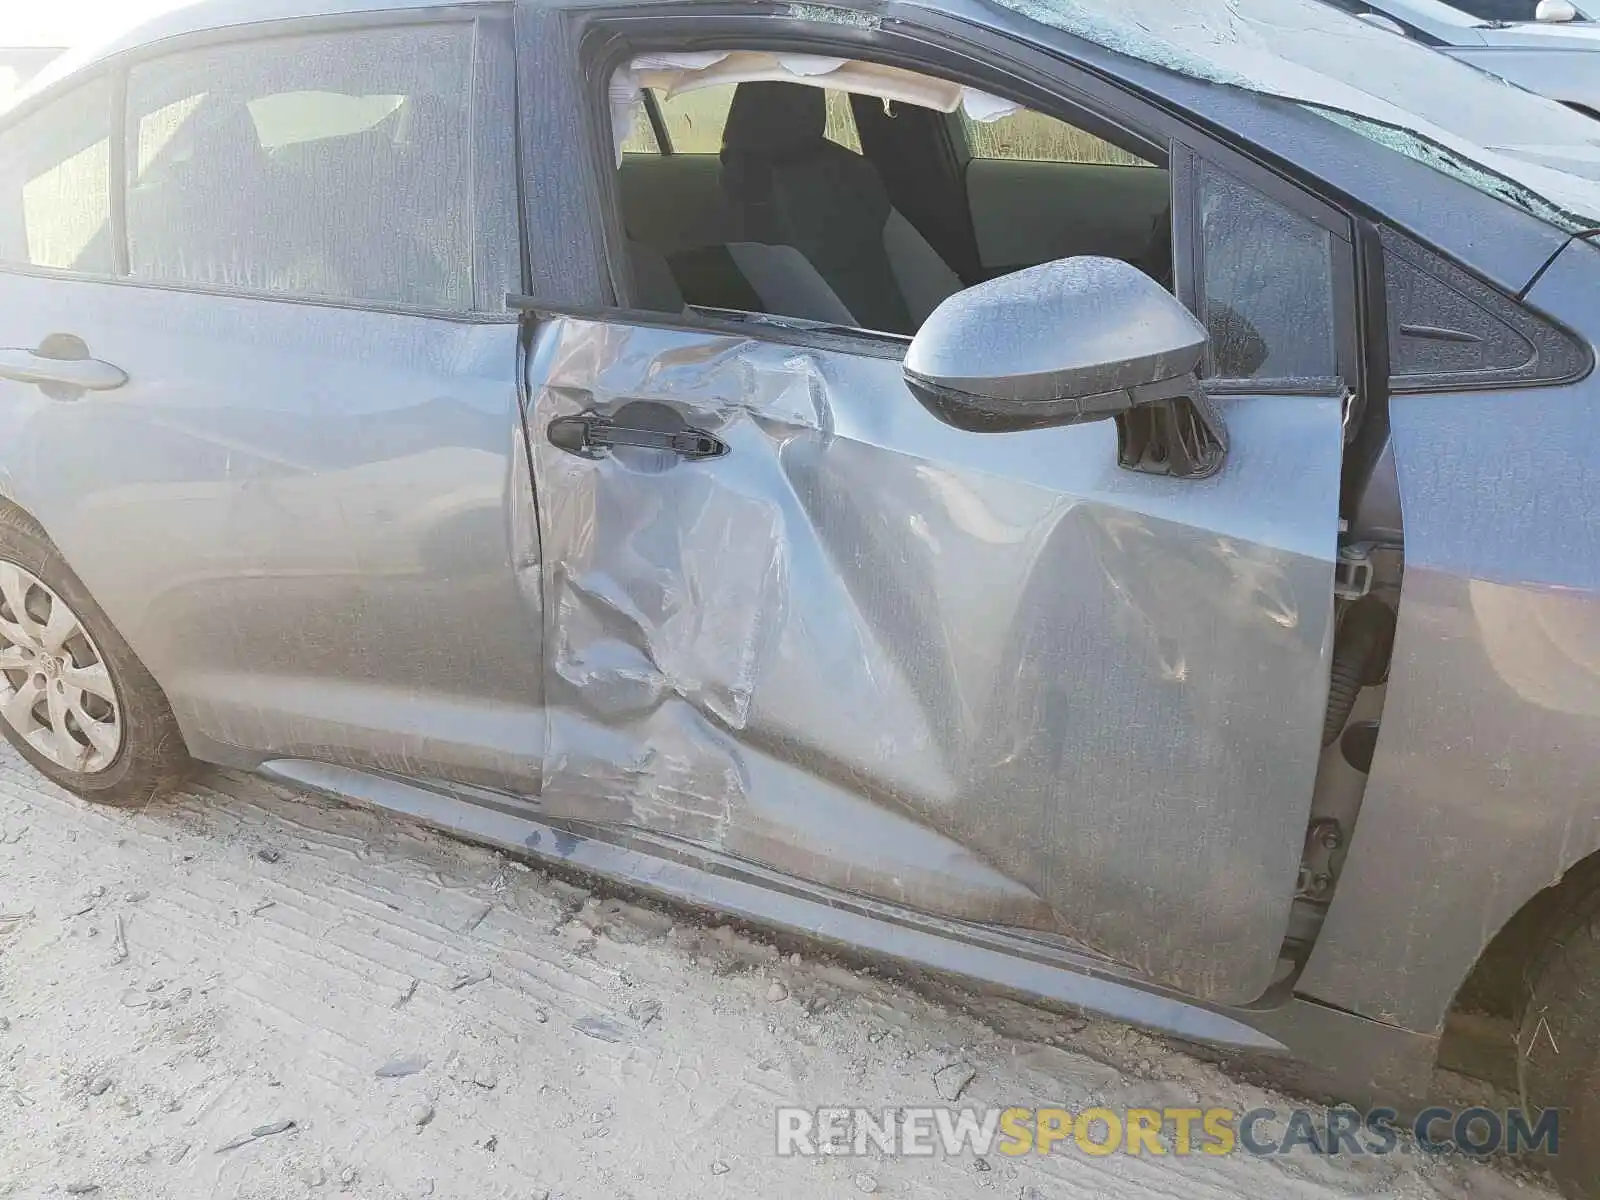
(117, 185)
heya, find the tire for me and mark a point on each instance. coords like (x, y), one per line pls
(148, 755)
(1558, 1038)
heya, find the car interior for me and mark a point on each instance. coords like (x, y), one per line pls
(859, 195)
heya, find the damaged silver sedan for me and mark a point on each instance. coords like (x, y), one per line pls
(1092, 502)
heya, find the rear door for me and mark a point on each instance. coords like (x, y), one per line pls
(307, 505)
(995, 677)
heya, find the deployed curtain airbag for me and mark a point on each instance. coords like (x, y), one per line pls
(672, 75)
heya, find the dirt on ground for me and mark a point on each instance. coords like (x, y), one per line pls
(247, 991)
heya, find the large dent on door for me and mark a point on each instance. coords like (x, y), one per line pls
(677, 592)
(673, 602)
(882, 654)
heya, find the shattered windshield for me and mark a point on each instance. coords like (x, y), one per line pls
(1493, 136)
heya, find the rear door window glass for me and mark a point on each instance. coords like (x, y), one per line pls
(55, 184)
(334, 166)
(1266, 286)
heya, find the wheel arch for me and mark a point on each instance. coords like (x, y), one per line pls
(150, 753)
(1480, 1033)
(9, 504)
(12, 505)
(1493, 985)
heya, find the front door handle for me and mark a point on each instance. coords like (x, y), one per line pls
(62, 368)
(643, 424)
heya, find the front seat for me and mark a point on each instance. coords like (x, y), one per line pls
(788, 185)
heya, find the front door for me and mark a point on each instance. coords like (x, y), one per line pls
(794, 617)
(990, 676)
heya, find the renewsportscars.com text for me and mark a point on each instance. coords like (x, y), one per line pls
(1102, 1131)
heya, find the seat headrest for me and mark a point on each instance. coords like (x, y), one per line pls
(772, 118)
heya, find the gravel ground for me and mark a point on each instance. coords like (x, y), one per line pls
(245, 991)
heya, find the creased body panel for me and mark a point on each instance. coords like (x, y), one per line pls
(991, 676)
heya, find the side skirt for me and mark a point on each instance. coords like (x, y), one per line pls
(1384, 1063)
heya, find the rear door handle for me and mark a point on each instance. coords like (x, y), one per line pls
(591, 435)
(62, 368)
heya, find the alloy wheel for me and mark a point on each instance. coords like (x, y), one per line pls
(55, 690)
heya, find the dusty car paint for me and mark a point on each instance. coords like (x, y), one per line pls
(1490, 745)
(295, 536)
(864, 644)
(886, 586)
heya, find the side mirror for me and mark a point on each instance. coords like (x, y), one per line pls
(1068, 342)
(1555, 12)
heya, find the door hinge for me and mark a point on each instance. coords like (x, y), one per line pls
(1352, 571)
(1318, 868)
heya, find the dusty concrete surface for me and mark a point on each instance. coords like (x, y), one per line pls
(436, 1019)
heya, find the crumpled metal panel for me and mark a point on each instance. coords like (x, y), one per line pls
(986, 675)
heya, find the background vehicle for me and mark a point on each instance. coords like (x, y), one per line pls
(725, 508)
(1559, 58)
